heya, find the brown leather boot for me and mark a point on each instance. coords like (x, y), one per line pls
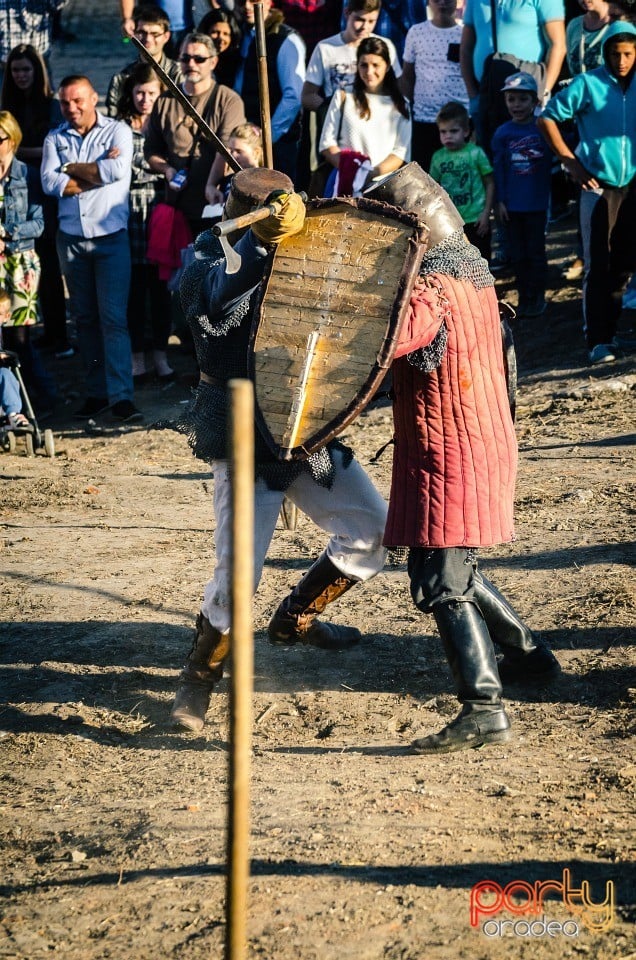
(202, 669)
(296, 621)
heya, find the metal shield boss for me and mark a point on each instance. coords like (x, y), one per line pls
(330, 311)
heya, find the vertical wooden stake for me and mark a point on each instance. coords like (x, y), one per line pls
(242, 665)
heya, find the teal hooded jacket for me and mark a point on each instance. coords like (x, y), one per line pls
(605, 115)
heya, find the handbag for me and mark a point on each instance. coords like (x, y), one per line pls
(497, 67)
(319, 177)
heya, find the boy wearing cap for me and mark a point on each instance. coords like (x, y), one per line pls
(522, 166)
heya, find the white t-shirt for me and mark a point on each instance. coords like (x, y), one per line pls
(437, 79)
(332, 65)
(386, 131)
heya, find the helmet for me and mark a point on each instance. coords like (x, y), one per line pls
(415, 191)
(251, 187)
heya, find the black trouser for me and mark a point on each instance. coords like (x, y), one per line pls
(483, 244)
(442, 574)
(607, 226)
(51, 293)
(526, 234)
(424, 142)
(147, 290)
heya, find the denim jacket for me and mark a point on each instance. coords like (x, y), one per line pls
(21, 218)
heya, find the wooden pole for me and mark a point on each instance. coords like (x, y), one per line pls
(263, 86)
(242, 665)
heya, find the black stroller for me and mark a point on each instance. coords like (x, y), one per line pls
(34, 438)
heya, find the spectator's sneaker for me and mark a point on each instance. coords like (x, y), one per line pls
(126, 412)
(602, 353)
(91, 407)
(63, 353)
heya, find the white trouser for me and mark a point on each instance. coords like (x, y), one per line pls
(351, 511)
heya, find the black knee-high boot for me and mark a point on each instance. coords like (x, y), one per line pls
(471, 657)
(526, 658)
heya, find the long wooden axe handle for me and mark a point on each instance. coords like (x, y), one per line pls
(203, 126)
(263, 85)
(247, 219)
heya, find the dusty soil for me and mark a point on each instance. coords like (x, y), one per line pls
(113, 825)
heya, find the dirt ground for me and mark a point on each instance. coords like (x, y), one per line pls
(113, 825)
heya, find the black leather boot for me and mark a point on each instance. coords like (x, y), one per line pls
(202, 670)
(471, 657)
(296, 621)
(526, 658)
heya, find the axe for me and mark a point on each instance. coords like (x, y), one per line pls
(221, 230)
(176, 92)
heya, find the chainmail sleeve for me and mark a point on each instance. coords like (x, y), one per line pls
(456, 258)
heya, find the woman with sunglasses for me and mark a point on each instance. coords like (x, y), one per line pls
(27, 95)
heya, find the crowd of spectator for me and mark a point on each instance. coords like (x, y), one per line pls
(490, 98)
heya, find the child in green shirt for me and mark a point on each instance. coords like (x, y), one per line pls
(465, 172)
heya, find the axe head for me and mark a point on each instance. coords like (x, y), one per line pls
(232, 258)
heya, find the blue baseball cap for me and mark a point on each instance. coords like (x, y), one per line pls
(521, 81)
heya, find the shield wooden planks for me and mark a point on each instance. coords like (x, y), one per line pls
(331, 308)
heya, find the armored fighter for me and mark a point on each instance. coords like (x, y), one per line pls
(329, 486)
(454, 467)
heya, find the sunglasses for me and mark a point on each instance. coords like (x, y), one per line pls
(4, 139)
(184, 58)
(149, 34)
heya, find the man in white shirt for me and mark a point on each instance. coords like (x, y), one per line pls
(432, 75)
(86, 164)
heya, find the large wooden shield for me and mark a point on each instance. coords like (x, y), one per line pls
(330, 313)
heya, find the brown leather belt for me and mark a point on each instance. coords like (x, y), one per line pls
(212, 381)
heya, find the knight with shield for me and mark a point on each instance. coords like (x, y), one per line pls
(326, 482)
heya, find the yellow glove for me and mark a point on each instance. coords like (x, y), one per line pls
(285, 223)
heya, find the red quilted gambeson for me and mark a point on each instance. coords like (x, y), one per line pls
(455, 456)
